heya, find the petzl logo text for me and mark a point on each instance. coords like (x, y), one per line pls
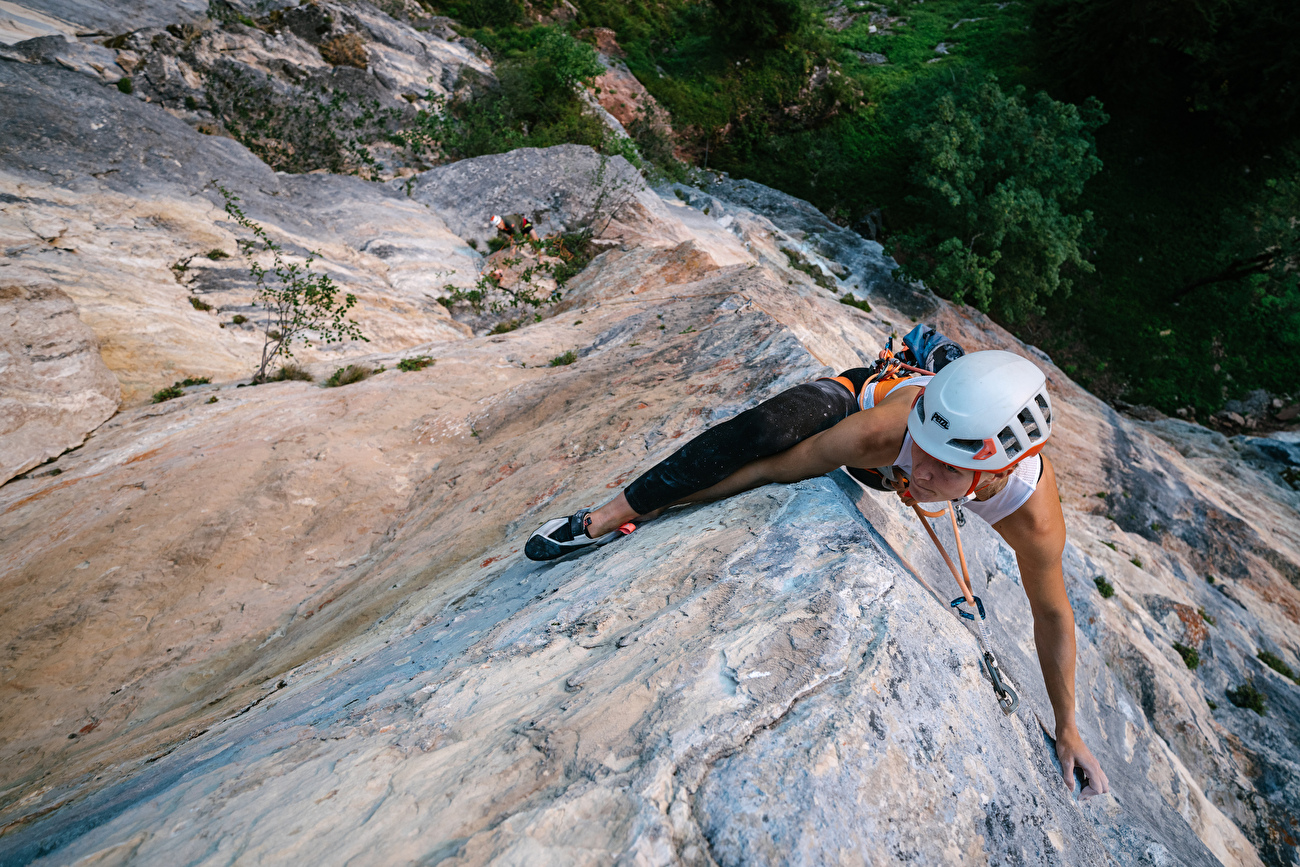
(939, 420)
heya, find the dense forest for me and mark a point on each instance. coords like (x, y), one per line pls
(1116, 182)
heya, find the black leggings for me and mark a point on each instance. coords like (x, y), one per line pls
(773, 426)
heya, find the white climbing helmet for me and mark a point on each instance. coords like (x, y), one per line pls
(495, 220)
(984, 411)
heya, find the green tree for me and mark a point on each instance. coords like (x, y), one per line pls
(1234, 59)
(535, 102)
(760, 23)
(300, 306)
(989, 217)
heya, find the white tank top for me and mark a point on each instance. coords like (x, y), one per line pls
(1020, 486)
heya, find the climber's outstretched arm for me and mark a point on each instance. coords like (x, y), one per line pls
(1036, 531)
(869, 438)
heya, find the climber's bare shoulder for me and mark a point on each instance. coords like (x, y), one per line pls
(870, 438)
(1036, 532)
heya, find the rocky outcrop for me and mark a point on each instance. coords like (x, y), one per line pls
(291, 624)
(116, 202)
(54, 387)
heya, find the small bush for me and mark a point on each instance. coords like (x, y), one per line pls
(216, 254)
(348, 49)
(195, 380)
(199, 304)
(348, 375)
(291, 372)
(212, 399)
(1247, 696)
(1136, 562)
(854, 302)
(124, 84)
(1206, 617)
(1104, 587)
(1214, 705)
(410, 365)
(1275, 662)
(567, 358)
(1190, 657)
(168, 393)
(239, 319)
(505, 326)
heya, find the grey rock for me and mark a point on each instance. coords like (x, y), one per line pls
(871, 58)
(561, 189)
(857, 266)
(54, 387)
(121, 16)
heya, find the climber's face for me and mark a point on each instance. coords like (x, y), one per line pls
(934, 481)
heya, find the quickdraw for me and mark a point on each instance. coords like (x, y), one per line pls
(1008, 700)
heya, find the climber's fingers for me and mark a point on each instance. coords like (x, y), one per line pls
(1074, 753)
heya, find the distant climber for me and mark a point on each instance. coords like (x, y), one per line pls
(970, 432)
(513, 226)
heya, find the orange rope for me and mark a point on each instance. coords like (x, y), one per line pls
(952, 567)
(961, 555)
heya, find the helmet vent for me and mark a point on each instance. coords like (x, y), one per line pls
(920, 407)
(971, 446)
(1042, 405)
(1031, 427)
(1010, 444)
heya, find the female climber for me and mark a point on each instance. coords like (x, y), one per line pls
(971, 432)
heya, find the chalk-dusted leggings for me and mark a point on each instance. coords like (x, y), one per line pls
(773, 426)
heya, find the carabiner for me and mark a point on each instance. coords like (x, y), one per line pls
(979, 605)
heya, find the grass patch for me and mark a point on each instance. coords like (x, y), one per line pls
(505, 326)
(1249, 697)
(1191, 658)
(1275, 662)
(410, 365)
(195, 380)
(215, 254)
(1136, 562)
(567, 357)
(848, 299)
(171, 392)
(238, 319)
(349, 374)
(1206, 617)
(199, 304)
(289, 372)
(1104, 587)
(124, 84)
(348, 49)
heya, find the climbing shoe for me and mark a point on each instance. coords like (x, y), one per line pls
(559, 536)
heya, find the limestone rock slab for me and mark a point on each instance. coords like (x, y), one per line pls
(561, 188)
(54, 387)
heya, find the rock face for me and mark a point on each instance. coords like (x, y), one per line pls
(292, 624)
(54, 387)
(116, 203)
